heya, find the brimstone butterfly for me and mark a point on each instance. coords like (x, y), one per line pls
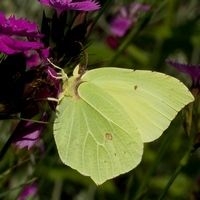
(105, 115)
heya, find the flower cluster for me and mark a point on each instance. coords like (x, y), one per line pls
(31, 81)
(18, 35)
(21, 36)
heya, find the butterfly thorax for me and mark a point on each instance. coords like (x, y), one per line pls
(70, 87)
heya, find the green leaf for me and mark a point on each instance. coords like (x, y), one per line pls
(105, 116)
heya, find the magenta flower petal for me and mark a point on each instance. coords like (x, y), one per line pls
(119, 26)
(32, 59)
(27, 134)
(126, 17)
(192, 70)
(9, 45)
(18, 35)
(28, 191)
(35, 58)
(20, 27)
(84, 5)
(62, 5)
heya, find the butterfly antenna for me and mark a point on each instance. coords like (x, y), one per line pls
(84, 63)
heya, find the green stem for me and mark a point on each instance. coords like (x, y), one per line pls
(56, 193)
(128, 187)
(100, 13)
(178, 170)
(6, 146)
(185, 158)
(171, 11)
(162, 150)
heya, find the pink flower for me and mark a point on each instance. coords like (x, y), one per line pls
(20, 27)
(193, 70)
(18, 35)
(126, 18)
(27, 134)
(28, 191)
(62, 5)
(35, 58)
(10, 45)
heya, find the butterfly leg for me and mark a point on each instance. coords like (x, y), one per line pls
(62, 75)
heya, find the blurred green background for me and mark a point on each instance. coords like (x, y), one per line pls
(170, 30)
